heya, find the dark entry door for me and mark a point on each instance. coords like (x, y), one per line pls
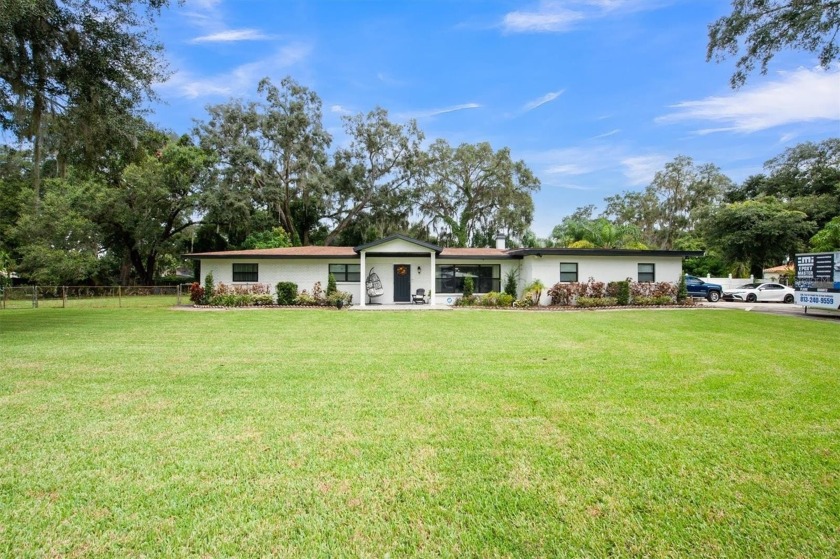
(402, 283)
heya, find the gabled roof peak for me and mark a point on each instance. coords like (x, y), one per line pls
(396, 237)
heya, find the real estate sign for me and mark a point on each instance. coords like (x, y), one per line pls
(817, 282)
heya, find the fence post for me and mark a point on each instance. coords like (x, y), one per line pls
(35, 297)
(63, 296)
(119, 294)
(179, 294)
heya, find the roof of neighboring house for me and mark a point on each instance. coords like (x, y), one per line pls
(779, 269)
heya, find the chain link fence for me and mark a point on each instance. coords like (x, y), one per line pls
(107, 296)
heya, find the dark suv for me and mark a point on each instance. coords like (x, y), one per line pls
(699, 288)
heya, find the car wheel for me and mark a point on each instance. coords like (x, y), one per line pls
(751, 298)
(788, 298)
(714, 296)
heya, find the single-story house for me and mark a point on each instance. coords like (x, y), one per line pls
(777, 273)
(404, 265)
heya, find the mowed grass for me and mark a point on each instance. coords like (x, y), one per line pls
(152, 432)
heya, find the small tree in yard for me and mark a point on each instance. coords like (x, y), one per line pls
(511, 281)
(682, 291)
(331, 286)
(534, 291)
(209, 287)
(469, 286)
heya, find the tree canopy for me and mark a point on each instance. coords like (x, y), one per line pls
(472, 190)
(756, 30)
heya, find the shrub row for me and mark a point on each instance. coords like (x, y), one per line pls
(259, 294)
(251, 295)
(617, 292)
(492, 299)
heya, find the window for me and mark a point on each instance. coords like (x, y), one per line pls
(450, 279)
(245, 273)
(647, 272)
(568, 271)
(345, 272)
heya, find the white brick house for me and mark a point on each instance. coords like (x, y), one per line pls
(404, 265)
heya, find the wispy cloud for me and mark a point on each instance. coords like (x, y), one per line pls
(436, 112)
(597, 161)
(800, 96)
(562, 16)
(338, 109)
(233, 35)
(567, 169)
(640, 169)
(568, 186)
(547, 98)
(543, 21)
(241, 80)
(389, 80)
(607, 134)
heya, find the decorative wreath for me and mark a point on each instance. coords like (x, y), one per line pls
(402, 270)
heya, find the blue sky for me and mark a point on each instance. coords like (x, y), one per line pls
(594, 95)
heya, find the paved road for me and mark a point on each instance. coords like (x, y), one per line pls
(777, 308)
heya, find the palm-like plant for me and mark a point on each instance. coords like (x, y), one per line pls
(600, 233)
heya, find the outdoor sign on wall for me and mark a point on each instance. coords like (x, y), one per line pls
(817, 280)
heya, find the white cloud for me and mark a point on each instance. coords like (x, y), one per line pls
(607, 134)
(241, 80)
(436, 112)
(640, 169)
(550, 21)
(596, 160)
(561, 16)
(800, 96)
(569, 186)
(388, 80)
(232, 35)
(547, 98)
(567, 169)
(338, 109)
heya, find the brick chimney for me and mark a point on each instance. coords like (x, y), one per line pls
(500, 241)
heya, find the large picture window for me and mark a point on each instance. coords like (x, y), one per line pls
(568, 272)
(647, 272)
(345, 272)
(450, 279)
(247, 273)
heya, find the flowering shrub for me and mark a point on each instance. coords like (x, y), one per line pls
(589, 302)
(196, 293)
(255, 294)
(654, 301)
(652, 289)
(466, 301)
(319, 299)
(622, 292)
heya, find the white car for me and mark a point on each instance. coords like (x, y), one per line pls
(760, 292)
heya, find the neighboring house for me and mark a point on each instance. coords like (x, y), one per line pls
(778, 273)
(404, 265)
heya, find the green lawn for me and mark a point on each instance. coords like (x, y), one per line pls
(151, 432)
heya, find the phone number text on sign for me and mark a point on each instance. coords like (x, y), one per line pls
(817, 299)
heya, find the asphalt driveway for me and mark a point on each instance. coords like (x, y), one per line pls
(777, 308)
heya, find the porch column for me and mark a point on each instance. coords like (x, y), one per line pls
(432, 280)
(362, 279)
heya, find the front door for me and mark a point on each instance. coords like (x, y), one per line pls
(402, 283)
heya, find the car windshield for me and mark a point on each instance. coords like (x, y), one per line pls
(749, 286)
